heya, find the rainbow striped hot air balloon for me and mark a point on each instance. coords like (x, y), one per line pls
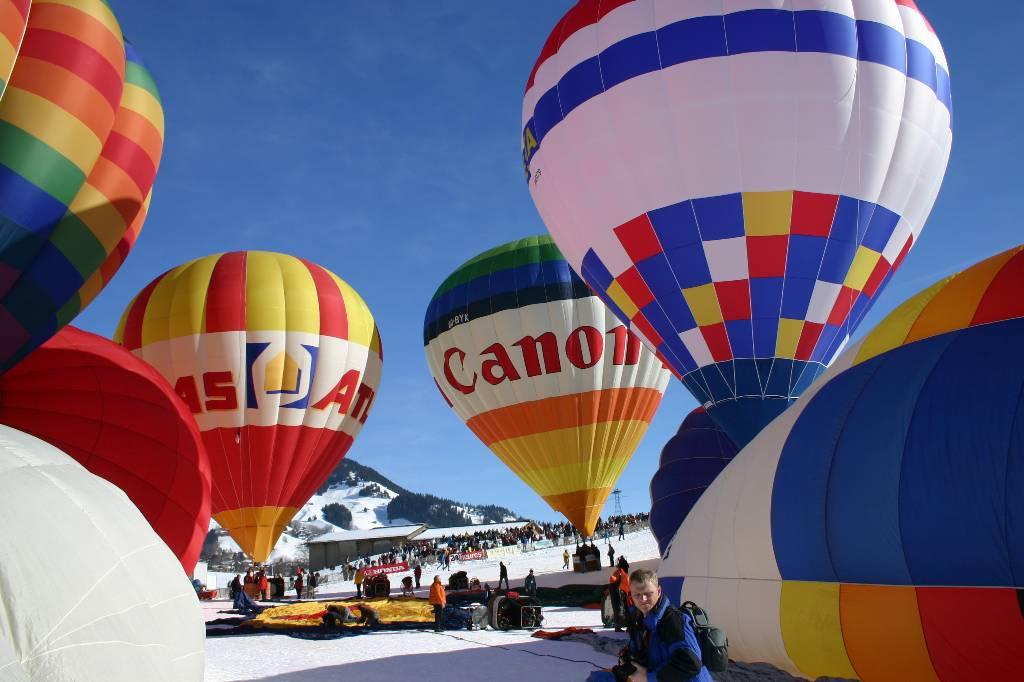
(543, 373)
(81, 135)
(876, 529)
(279, 361)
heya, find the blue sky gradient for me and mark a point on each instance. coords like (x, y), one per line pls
(382, 140)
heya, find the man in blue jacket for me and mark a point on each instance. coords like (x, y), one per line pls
(662, 645)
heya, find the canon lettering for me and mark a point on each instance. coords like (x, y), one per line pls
(538, 355)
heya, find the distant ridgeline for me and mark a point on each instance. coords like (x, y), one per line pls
(417, 507)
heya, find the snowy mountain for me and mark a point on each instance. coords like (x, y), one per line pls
(355, 496)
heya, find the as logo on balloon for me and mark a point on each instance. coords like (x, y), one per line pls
(283, 374)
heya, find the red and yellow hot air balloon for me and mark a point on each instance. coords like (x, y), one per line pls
(278, 359)
(81, 136)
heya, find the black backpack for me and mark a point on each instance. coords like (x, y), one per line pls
(714, 645)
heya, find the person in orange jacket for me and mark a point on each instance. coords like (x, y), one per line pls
(438, 599)
(619, 589)
(264, 585)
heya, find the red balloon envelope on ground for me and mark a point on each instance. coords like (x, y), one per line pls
(120, 419)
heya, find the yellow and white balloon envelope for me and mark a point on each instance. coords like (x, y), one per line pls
(88, 591)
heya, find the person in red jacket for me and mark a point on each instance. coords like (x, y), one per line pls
(417, 573)
(264, 585)
(438, 599)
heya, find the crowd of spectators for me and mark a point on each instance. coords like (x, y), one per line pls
(443, 550)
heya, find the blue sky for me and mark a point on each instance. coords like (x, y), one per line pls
(382, 140)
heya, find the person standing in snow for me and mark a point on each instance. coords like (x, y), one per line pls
(531, 584)
(502, 574)
(264, 585)
(438, 600)
(360, 576)
(298, 584)
(622, 531)
(565, 559)
(618, 591)
(417, 573)
(611, 556)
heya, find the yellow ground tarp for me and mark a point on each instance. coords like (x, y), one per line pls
(310, 613)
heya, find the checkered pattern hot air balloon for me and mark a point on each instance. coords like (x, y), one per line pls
(81, 134)
(278, 359)
(738, 180)
(875, 530)
(543, 373)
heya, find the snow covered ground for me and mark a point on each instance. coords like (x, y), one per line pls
(425, 656)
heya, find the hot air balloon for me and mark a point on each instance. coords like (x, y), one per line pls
(90, 592)
(690, 461)
(119, 418)
(279, 361)
(543, 373)
(81, 135)
(738, 181)
(874, 530)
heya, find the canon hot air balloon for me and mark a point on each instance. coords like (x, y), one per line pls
(543, 373)
(81, 135)
(279, 361)
(738, 180)
(690, 461)
(876, 529)
(121, 420)
(90, 591)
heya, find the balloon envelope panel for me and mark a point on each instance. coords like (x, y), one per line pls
(891, 486)
(542, 373)
(690, 461)
(120, 419)
(279, 361)
(738, 183)
(118, 608)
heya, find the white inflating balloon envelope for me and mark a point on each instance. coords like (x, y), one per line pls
(88, 591)
(738, 179)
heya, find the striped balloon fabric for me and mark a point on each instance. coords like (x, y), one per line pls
(876, 529)
(81, 135)
(279, 361)
(543, 373)
(738, 180)
(13, 19)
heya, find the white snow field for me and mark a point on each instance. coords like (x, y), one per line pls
(424, 656)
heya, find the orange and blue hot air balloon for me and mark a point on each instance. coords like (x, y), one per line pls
(875, 530)
(279, 361)
(81, 135)
(738, 180)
